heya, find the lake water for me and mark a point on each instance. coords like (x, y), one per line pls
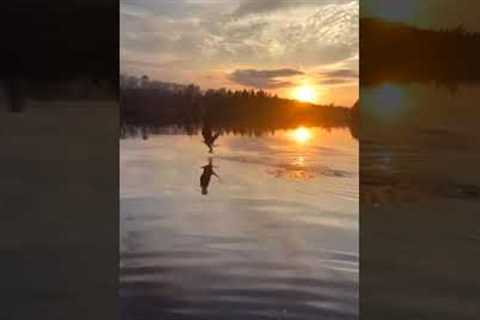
(421, 140)
(273, 234)
(419, 195)
(58, 209)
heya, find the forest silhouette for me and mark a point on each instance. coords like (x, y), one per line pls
(69, 56)
(397, 52)
(245, 112)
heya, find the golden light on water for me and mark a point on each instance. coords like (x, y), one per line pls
(300, 161)
(305, 93)
(301, 135)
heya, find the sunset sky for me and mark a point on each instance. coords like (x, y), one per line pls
(291, 48)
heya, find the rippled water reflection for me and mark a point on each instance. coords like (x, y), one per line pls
(262, 228)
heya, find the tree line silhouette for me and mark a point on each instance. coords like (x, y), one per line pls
(58, 48)
(397, 52)
(249, 112)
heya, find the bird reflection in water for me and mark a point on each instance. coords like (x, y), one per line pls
(209, 137)
(206, 176)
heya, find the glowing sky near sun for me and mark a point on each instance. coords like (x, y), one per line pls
(276, 45)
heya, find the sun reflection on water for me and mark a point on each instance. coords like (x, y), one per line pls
(301, 135)
(299, 161)
(297, 167)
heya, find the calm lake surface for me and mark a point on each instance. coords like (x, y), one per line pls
(274, 236)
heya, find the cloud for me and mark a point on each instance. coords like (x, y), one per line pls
(340, 73)
(309, 33)
(250, 7)
(154, 65)
(308, 36)
(190, 40)
(338, 76)
(265, 79)
(333, 81)
(170, 8)
(255, 6)
(133, 10)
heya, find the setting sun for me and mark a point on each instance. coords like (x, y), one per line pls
(301, 135)
(305, 94)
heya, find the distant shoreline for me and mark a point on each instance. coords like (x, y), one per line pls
(400, 53)
(222, 109)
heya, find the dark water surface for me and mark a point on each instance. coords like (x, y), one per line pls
(58, 211)
(273, 235)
